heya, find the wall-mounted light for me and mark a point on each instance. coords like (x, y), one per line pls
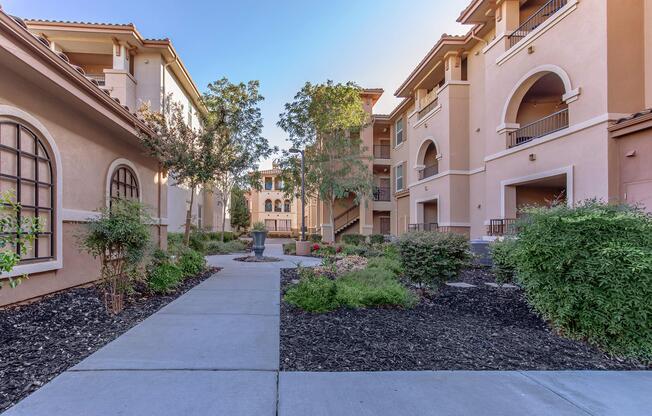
(530, 49)
(532, 157)
(631, 153)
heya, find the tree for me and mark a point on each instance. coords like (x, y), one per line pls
(191, 155)
(326, 120)
(240, 216)
(235, 115)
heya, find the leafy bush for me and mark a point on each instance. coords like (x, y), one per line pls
(198, 241)
(504, 263)
(372, 287)
(313, 293)
(290, 248)
(588, 270)
(218, 247)
(314, 238)
(191, 263)
(259, 226)
(217, 236)
(354, 239)
(433, 258)
(377, 239)
(386, 263)
(164, 277)
(354, 250)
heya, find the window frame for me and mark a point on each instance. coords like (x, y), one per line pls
(398, 131)
(287, 206)
(397, 177)
(271, 205)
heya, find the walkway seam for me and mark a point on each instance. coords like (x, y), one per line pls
(278, 391)
(556, 393)
(133, 370)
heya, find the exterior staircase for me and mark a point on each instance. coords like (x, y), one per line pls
(347, 219)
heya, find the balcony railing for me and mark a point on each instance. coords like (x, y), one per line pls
(428, 108)
(99, 78)
(501, 226)
(432, 227)
(383, 194)
(382, 151)
(428, 171)
(535, 20)
(547, 125)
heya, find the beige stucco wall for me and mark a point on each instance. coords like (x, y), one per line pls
(635, 168)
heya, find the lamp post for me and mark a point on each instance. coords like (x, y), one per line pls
(303, 192)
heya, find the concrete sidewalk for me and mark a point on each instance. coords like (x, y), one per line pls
(215, 351)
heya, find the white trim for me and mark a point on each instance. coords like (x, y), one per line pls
(446, 173)
(477, 170)
(409, 116)
(563, 75)
(507, 126)
(428, 116)
(420, 147)
(399, 120)
(15, 114)
(494, 42)
(567, 170)
(112, 167)
(413, 208)
(538, 32)
(455, 224)
(403, 176)
(80, 215)
(604, 118)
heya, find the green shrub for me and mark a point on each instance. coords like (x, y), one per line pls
(175, 239)
(290, 248)
(217, 236)
(386, 263)
(259, 226)
(504, 263)
(164, 277)
(433, 258)
(218, 247)
(372, 287)
(588, 270)
(191, 263)
(313, 294)
(354, 239)
(314, 238)
(377, 239)
(354, 250)
(198, 241)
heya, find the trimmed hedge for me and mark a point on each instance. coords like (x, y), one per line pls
(431, 259)
(377, 239)
(588, 270)
(354, 239)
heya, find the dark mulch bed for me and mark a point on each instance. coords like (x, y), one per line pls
(40, 340)
(479, 328)
(254, 259)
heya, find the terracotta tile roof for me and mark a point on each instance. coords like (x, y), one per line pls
(634, 116)
(75, 22)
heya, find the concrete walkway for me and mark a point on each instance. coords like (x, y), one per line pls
(215, 351)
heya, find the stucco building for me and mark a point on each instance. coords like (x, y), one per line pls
(280, 214)
(533, 105)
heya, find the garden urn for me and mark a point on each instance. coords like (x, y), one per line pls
(259, 243)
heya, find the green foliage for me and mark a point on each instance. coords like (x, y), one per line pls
(290, 248)
(354, 250)
(588, 270)
(240, 216)
(259, 226)
(354, 239)
(389, 264)
(377, 239)
(504, 263)
(314, 238)
(372, 287)
(164, 277)
(191, 263)
(433, 258)
(15, 233)
(313, 293)
(218, 247)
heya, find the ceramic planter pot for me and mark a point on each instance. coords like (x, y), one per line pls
(303, 248)
(259, 242)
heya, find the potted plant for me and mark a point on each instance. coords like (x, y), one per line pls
(259, 233)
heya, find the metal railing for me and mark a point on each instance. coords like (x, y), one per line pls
(431, 226)
(99, 78)
(347, 217)
(382, 193)
(535, 20)
(428, 171)
(425, 110)
(502, 226)
(547, 125)
(382, 151)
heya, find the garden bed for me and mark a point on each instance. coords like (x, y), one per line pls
(41, 340)
(254, 259)
(478, 328)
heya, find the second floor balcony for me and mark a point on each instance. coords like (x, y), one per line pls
(547, 125)
(382, 194)
(382, 151)
(535, 20)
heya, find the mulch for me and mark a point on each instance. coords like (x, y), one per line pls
(481, 328)
(254, 259)
(40, 340)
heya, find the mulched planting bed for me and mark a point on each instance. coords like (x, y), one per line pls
(42, 339)
(480, 328)
(254, 259)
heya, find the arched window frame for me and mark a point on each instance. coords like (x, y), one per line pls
(113, 168)
(286, 206)
(268, 205)
(278, 206)
(15, 115)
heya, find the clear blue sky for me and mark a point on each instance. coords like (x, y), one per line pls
(283, 43)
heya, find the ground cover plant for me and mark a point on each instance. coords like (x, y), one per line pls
(588, 271)
(209, 243)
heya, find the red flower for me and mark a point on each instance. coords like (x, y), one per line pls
(339, 249)
(315, 247)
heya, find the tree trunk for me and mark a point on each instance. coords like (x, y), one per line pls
(331, 216)
(186, 236)
(223, 217)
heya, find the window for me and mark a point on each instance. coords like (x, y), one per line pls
(270, 225)
(286, 205)
(283, 225)
(124, 184)
(199, 216)
(398, 135)
(268, 205)
(278, 206)
(399, 177)
(26, 168)
(268, 184)
(278, 184)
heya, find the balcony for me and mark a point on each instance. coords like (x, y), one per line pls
(535, 21)
(99, 78)
(428, 172)
(382, 194)
(542, 127)
(428, 107)
(428, 227)
(382, 151)
(501, 227)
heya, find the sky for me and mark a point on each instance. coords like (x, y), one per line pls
(282, 43)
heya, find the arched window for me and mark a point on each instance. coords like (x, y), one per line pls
(268, 205)
(26, 169)
(286, 205)
(428, 159)
(124, 184)
(278, 206)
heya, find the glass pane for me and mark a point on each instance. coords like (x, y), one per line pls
(8, 161)
(44, 173)
(27, 167)
(27, 140)
(44, 247)
(8, 134)
(27, 196)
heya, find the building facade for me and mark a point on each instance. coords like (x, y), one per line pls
(503, 117)
(269, 205)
